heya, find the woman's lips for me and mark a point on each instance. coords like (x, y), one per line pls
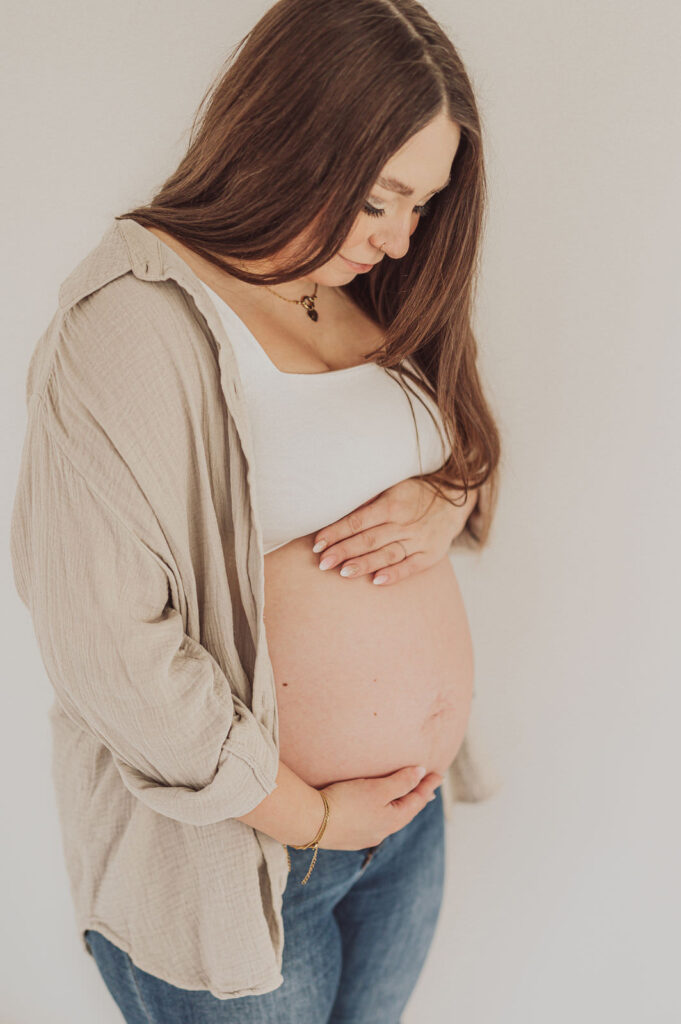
(359, 267)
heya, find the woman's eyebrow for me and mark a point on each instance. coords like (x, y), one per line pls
(393, 185)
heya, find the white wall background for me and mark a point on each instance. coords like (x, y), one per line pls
(563, 896)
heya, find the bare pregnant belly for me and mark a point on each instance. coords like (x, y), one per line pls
(368, 678)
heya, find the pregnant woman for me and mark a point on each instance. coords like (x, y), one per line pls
(258, 432)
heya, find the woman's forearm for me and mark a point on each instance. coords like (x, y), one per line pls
(292, 813)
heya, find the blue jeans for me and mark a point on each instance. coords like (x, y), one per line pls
(356, 936)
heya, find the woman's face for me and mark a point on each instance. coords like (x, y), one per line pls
(421, 167)
(390, 217)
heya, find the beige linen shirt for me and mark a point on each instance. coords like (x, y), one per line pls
(136, 546)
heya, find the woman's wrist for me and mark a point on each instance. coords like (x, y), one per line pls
(321, 828)
(292, 813)
(460, 512)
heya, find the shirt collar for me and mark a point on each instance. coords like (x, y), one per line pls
(126, 246)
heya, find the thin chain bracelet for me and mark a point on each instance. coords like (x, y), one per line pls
(313, 843)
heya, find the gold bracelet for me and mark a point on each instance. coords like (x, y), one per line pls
(314, 842)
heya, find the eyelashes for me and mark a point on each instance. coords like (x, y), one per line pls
(422, 211)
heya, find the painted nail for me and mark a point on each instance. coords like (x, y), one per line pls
(430, 798)
(348, 570)
(382, 578)
(319, 546)
(326, 563)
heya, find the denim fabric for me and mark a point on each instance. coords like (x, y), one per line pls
(356, 936)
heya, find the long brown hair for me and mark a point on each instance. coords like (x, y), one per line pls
(287, 144)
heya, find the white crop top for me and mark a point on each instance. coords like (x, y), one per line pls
(326, 442)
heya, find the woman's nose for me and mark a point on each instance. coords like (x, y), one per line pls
(396, 243)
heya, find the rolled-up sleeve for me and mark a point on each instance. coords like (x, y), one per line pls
(116, 652)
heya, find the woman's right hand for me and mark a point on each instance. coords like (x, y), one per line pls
(362, 812)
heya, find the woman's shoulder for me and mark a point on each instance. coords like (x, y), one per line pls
(124, 369)
(123, 319)
(121, 311)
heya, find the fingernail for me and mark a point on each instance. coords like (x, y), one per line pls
(431, 798)
(348, 570)
(319, 546)
(382, 578)
(420, 771)
(326, 563)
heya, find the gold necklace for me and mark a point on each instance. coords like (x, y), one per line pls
(307, 301)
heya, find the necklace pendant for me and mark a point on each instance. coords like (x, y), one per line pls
(308, 304)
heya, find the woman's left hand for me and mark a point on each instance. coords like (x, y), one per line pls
(404, 530)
